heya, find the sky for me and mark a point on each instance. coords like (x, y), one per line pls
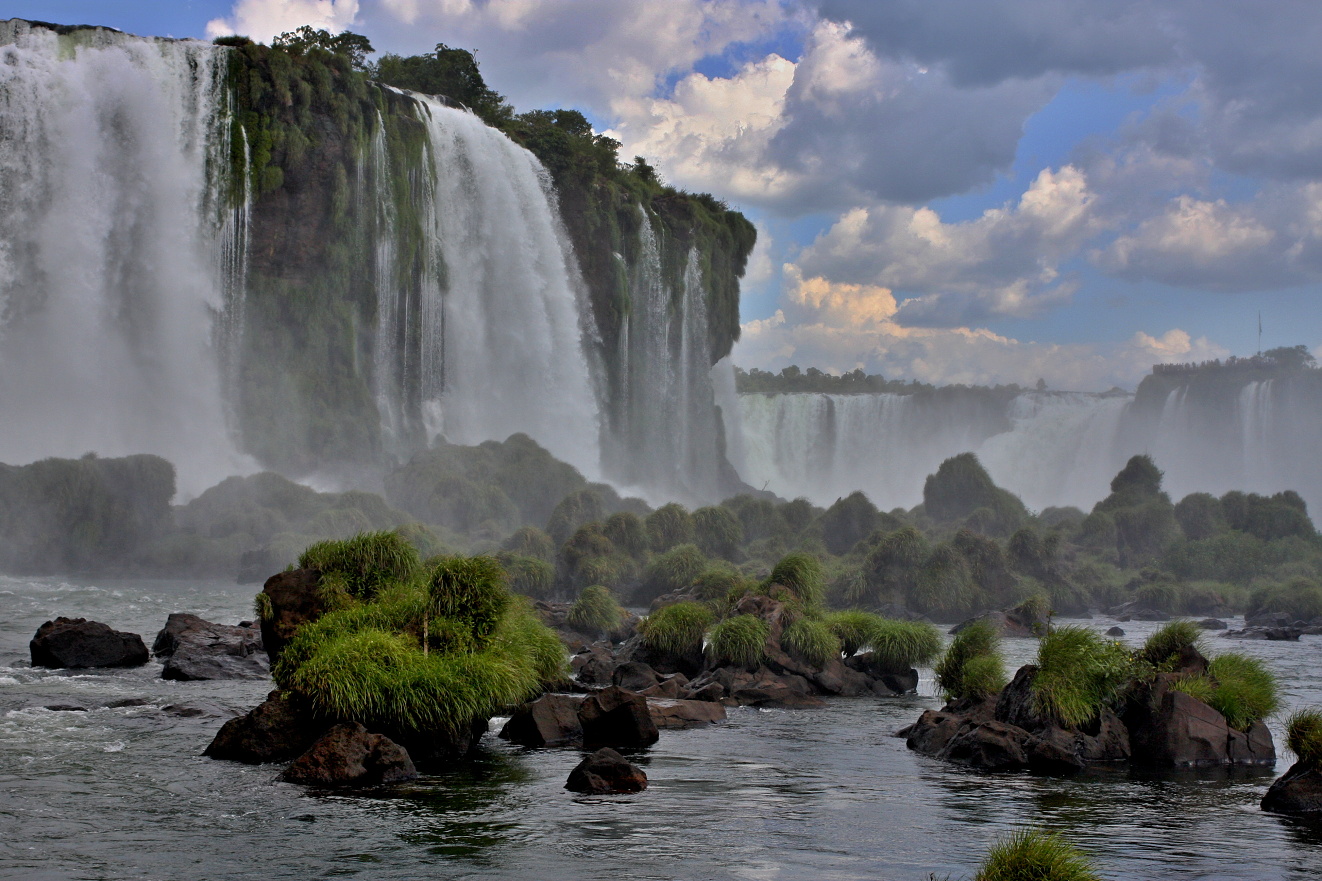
(953, 191)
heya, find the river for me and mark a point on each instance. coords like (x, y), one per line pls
(124, 793)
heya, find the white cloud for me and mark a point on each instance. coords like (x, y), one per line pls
(264, 19)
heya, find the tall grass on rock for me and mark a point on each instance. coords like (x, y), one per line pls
(802, 574)
(812, 641)
(1303, 734)
(972, 666)
(1034, 855)
(1079, 675)
(1163, 649)
(1237, 686)
(595, 610)
(676, 628)
(365, 563)
(740, 641)
(896, 645)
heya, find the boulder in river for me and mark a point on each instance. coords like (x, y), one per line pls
(294, 599)
(79, 643)
(604, 772)
(1297, 791)
(617, 717)
(199, 649)
(551, 720)
(276, 730)
(349, 755)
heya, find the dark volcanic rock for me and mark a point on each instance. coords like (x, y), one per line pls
(275, 730)
(1116, 631)
(295, 600)
(594, 664)
(606, 771)
(201, 650)
(79, 643)
(634, 676)
(1297, 791)
(551, 720)
(349, 755)
(1212, 624)
(1173, 729)
(673, 714)
(615, 717)
(1276, 634)
(168, 636)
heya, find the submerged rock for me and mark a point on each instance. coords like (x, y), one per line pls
(1275, 634)
(673, 714)
(349, 755)
(198, 649)
(78, 643)
(604, 772)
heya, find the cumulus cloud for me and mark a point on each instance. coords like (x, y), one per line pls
(264, 19)
(1005, 263)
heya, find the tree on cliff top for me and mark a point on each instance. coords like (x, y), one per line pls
(450, 72)
(353, 46)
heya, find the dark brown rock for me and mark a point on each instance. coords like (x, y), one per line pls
(1275, 634)
(78, 643)
(605, 772)
(595, 664)
(990, 746)
(634, 676)
(201, 650)
(1297, 791)
(673, 686)
(276, 730)
(551, 720)
(616, 717)
(676, 714)
(1180, 731)
(168, 636)
(349, 755)
(295, 600)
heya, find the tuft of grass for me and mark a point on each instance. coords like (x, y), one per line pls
(1079, 675)
(854, 629)
(471, 590)
(802, 574)
(676, 628)
(1034, 855)
(596, 610)
(1162, 649)
(811, 641)
(740, 641)
(1303, 734)
(366, 562)
(900, 645)
(261, 606)
(1237, 686)
(972, 666)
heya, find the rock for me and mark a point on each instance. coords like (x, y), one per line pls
(672, 686)
(551, 720)
(1175, 729)
(615, 717)
(275, 730)
(634, 676)
(604, 772)
(837, 677)
(991, 746)
(1276, 634)
(1269, 619)
(1019, 621)
(935, 729)
(1297, 791)
(168, 636)
(1116, 631)
(595, 664)
(349, 755)
(706, 690)
(199, 649)
(295, 599)
(676, 714)
(663, 662)
(78, 643)
(765, 688)
(1212, 624)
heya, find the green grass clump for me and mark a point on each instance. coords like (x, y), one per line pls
(972, 667)
(471, 590)
(1237, 686)
(595, 610)
(366, 562)
(811, 641)
(1303, 734)
(676, 628)
(854, 628)
(367, 662)
(802, 574)
(900, 645)
(1034, 855)
(261, 606)
(1079, 675)
(1162, 649)
(740, 641)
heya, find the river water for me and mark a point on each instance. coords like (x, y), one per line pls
(123, 792)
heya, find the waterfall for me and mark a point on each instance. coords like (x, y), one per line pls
(114, 262)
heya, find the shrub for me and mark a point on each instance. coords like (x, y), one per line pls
(261, 606)
(1237, 686)
(847, 521)
(957, 674)
(595, 610)
(574, 510)
(1033, 855)
(900, 645)
(811, 641)
(627, 532)
(719, 581)
(853, 627)
(529, 541)
(740, 641)
(674, 570)
(366, 562)
(530, 576)
(676, 628)
(945, 585)
(802, 574)
(1303, 734)
(1079, 675)
(717, 531)
(1162, 649)
(668, 526)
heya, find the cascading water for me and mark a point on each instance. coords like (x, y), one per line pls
(113, 261)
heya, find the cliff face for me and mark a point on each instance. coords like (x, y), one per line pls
(341, 346)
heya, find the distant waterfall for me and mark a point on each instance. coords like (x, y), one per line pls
(114, 262)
